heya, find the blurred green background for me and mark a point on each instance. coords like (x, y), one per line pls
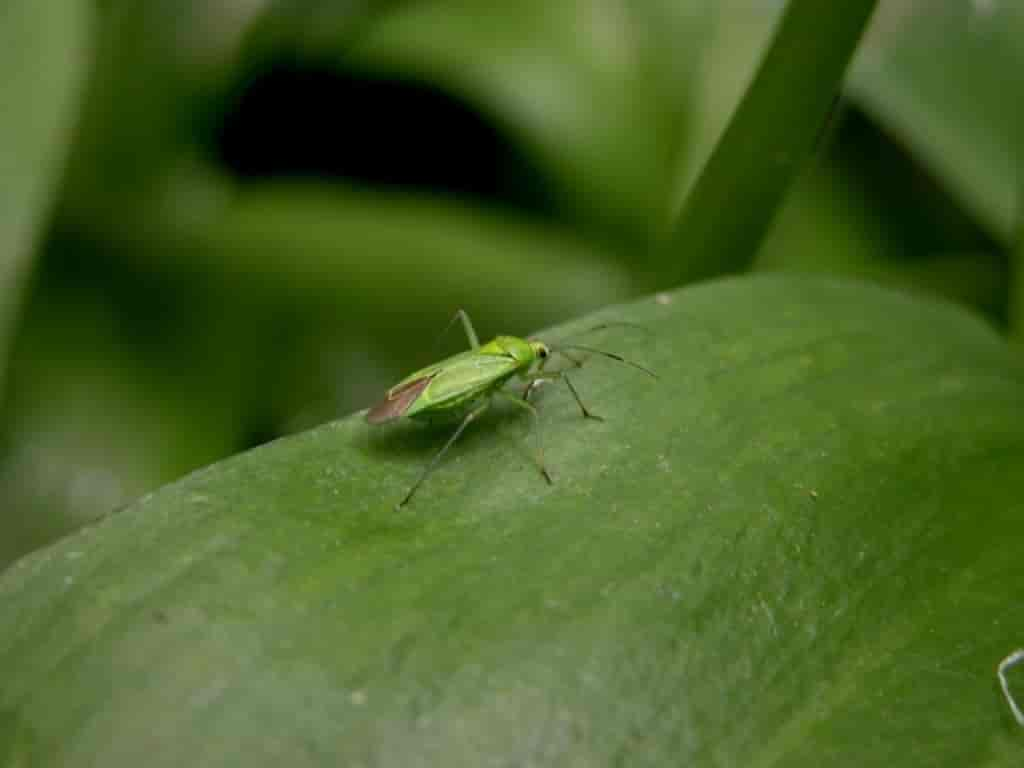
(229, 220)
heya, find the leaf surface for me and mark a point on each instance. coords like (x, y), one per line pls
(799, 547)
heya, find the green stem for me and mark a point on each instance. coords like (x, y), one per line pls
(774, 128)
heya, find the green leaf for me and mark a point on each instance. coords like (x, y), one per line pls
(594, 91)
(43, 58)
(139, 175)
(768, 138)
(798, 547)
(348, 246)
(952, 111)
(863, 210)
(154, 397)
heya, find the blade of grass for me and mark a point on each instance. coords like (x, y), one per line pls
(774, 128)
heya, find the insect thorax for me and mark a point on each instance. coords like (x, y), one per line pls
(520, 350)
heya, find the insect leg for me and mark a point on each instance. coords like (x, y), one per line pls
(603, 326)
(522, 403)
(540, 376)
(586, 413)
(467, 326)
(535, 380)
(470, 417)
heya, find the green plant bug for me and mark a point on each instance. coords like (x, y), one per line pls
(461, 387)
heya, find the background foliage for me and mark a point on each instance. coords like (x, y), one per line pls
(227, 221)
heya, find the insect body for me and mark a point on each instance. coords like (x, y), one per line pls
(461, 387)
(451, 387)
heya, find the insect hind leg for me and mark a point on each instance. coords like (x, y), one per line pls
(469, 419)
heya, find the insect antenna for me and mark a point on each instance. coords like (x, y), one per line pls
(609, 355)
(610, 324)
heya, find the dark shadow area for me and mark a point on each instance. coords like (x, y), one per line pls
(929, 214)
(296, 122)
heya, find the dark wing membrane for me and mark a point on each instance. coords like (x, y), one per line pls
(397, 401)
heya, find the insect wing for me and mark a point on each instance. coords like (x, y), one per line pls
(472, 375)
(398, 401)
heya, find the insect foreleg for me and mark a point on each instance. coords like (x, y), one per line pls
(586, 413)
(532, 385)
(539, 376)
(470, 417)
(536, 418)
